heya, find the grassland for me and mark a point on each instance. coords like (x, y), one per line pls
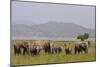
(54, 58)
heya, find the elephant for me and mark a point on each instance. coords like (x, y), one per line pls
(81, 47)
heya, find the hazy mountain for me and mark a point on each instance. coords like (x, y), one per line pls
(50, 29)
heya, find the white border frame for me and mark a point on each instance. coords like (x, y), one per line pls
(5, 33)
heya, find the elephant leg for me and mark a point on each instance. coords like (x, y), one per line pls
(86, 50)
(75, 51)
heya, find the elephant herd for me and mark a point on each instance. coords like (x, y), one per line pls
(48, 47)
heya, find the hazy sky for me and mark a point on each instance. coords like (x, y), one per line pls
(36, 13)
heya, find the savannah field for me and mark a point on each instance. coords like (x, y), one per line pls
(44, 58)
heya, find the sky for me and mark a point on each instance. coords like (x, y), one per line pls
(38, 13)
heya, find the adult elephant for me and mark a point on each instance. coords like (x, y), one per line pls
(55, 48)
(21, 47)
(17, 49)
(43, 45)
(81, 47)
(47, 47)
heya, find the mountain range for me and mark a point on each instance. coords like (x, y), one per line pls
(50, 29)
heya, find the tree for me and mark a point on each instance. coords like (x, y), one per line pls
(86, 35)
(83, 37)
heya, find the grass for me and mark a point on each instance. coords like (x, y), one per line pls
(54, 58)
